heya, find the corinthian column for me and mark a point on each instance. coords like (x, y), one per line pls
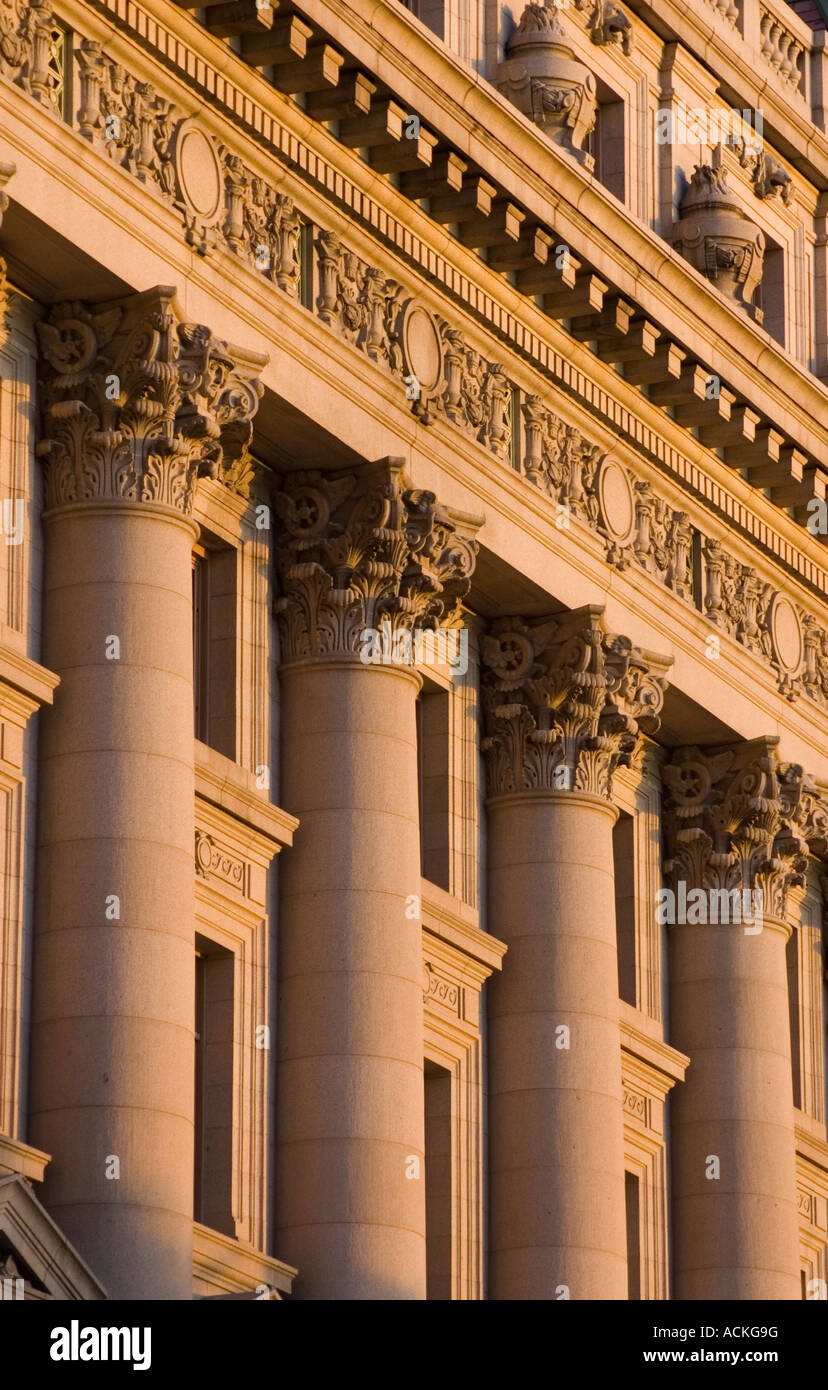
(739, 828)
(565, 702)
(136, 406)
(357, 554)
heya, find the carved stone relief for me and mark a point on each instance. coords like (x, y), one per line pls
(362, 552)
(545, 80)
(737, 818)
(564, 702)
(718, 238)
(138, 405)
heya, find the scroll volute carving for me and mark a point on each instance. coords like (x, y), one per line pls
(719, 239)
(545, 80)
(366, 550)
(737, 818)
(138, 405)
(565, 702)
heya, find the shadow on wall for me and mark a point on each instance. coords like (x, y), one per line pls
(508, 24)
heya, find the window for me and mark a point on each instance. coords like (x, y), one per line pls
(623, 856)
(213, 1152)
(606, 142)
(632, 1184)
(805, 955)
(438, 1169)
(770, 296)
(794, 1008)
(214, 646)
(433, 777)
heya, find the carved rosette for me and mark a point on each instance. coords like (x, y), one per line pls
(545, 80)
(738, 819)
(718, 238)
(565, 702)
(366, 552)
(138, 406)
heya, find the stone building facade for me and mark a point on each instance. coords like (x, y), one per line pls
(414, 649)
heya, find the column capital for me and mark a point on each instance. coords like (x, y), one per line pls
(565, 702)
(139, 404)
(364, 552)
(737, 818)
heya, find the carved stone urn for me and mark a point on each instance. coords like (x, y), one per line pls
(545, 80)
(719, 239)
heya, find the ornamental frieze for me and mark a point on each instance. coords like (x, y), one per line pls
(261, 225)
(28, 43)
(222, 202)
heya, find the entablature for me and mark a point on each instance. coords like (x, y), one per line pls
(628, 303)
(395, 316)
(481, 167)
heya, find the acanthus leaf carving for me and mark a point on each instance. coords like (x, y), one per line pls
(565, 702)
(739, 820)
(138, 405)
(361, 552)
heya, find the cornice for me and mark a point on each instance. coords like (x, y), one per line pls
(812, 1148)
(489, 296)
(36, 1238)
(17, 1157)
(26, 681)
(458, 924)
(689, 24)
(228, 1261)
(484, 126)
(230, 788)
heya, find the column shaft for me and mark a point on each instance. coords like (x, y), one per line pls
(557, 1162)
(112, 1058)
(735, 1223)
(565, 701)
(350, 1186)
(739, 824)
